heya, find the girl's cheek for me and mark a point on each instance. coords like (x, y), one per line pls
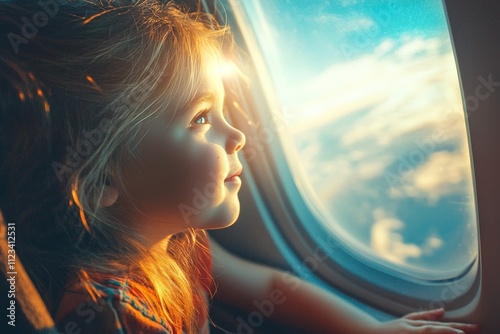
(208, 174)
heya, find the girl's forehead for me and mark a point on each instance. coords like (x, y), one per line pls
(212, 80)
(211, 86)
(208, 90)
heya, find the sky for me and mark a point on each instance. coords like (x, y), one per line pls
(374, 112)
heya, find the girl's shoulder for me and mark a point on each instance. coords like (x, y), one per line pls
(109, 308)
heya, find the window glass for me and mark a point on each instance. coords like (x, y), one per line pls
(375, 126)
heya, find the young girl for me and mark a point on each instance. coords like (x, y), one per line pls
(111, 128)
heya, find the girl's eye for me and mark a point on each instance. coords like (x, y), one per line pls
(201, 118)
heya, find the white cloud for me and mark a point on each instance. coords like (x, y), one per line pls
(369, 170)
(402, 98)
(417, 46)
(395, 87)
(432, 244)
(444, 173)
(332, 178)
(384, 47)
(388, 243)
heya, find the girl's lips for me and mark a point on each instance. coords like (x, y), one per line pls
(235, 176)
(233, 179)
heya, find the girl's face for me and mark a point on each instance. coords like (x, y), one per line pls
(189, 168)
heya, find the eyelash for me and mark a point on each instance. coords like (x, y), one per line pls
(203, 114)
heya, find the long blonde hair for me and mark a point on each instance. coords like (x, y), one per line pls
(109, 68)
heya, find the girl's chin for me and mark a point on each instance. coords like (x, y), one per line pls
(220, 216)
(218, 225)
(227, 219)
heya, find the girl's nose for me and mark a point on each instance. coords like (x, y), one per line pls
(235, 141)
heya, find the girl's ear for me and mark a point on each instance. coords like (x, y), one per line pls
(109, 196)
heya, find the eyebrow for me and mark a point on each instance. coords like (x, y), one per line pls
(200, 98)
(206, 96)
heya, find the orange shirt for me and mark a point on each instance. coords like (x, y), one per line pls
(117, 311)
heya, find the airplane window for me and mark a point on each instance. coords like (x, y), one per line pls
(375, 122)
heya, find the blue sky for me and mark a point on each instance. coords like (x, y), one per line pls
(319, 33)
(372, 95)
